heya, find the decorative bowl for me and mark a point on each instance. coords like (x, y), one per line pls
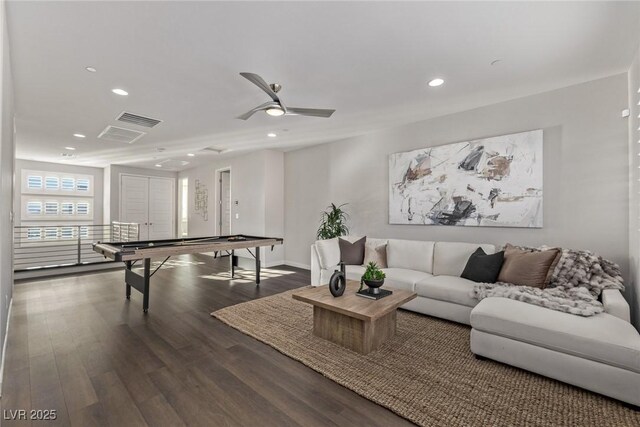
(374, 285)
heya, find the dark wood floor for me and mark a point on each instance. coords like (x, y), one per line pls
(76, 345)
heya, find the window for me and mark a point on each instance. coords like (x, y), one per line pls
(51, 208)
(51, 233)
(34, 208)
(84, 232)
(82, 208)
(68, 184)
(34, 233)
(66, 208)
(51, 183)
(34, 182)
(66, 232)
(82, 184)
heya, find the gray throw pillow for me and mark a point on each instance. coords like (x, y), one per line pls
(352, 253)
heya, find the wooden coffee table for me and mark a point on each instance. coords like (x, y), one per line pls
(358, 323)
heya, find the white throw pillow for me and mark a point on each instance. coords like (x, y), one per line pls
(328, 252)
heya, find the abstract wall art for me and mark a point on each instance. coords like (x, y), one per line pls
(201, 200)
(490, 182)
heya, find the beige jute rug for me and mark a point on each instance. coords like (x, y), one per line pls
(426, 373)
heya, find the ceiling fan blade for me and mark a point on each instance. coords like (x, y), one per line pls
(246, 115)
(315, 112)
(251, 112)
(259, 81)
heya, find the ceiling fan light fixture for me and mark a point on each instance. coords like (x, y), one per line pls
(274, 111)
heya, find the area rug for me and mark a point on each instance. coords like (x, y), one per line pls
(426, 373)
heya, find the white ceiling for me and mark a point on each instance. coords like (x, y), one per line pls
(369, 60)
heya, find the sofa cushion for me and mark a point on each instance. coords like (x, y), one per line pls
(450, 258)
(354, 272)
(447, 288)
(351, 253)
(602, 338)
(410, 255)
(402, 278)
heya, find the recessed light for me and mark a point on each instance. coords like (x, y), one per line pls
(190, 154)
(436, 82)
(275, 111)
(70, 148)
(91, 69)
(79, 135)
(158, 165)
(271, 135)
(120, 92)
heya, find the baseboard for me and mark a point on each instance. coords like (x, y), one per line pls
(4, 345)
(63, 271)
(270, 264)
(297, 264)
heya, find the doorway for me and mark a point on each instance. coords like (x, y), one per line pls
(224, 202)
(183, 208)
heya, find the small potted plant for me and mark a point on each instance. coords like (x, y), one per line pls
(373, 277)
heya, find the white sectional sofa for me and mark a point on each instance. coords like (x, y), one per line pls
(431, 269)
(600, 353)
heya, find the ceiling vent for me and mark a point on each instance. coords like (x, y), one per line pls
(147, 122)
(212, 150)
(114, 133)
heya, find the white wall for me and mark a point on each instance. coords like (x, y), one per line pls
(7, 153)
(586, 185)
(634, 185)
(97, 174)
(257, 185)
(274, 201)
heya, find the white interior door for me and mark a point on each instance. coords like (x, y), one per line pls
(161, 209)
(134, 202)
(225, 203)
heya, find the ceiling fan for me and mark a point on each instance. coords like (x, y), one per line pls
(275, 107)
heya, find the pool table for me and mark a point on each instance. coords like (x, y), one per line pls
(132, 252)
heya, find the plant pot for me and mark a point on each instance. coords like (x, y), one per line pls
(374, 285)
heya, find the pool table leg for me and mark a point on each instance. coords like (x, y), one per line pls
(147, 279)
(257, 265)
(232, 260)
(128, 286)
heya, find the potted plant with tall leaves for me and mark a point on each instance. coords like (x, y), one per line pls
(333, 222)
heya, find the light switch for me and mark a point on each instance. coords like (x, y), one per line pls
(237, 216)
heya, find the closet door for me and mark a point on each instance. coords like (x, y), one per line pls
(134, 202)
(161, 209)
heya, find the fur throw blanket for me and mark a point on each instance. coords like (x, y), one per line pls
(575, 286)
